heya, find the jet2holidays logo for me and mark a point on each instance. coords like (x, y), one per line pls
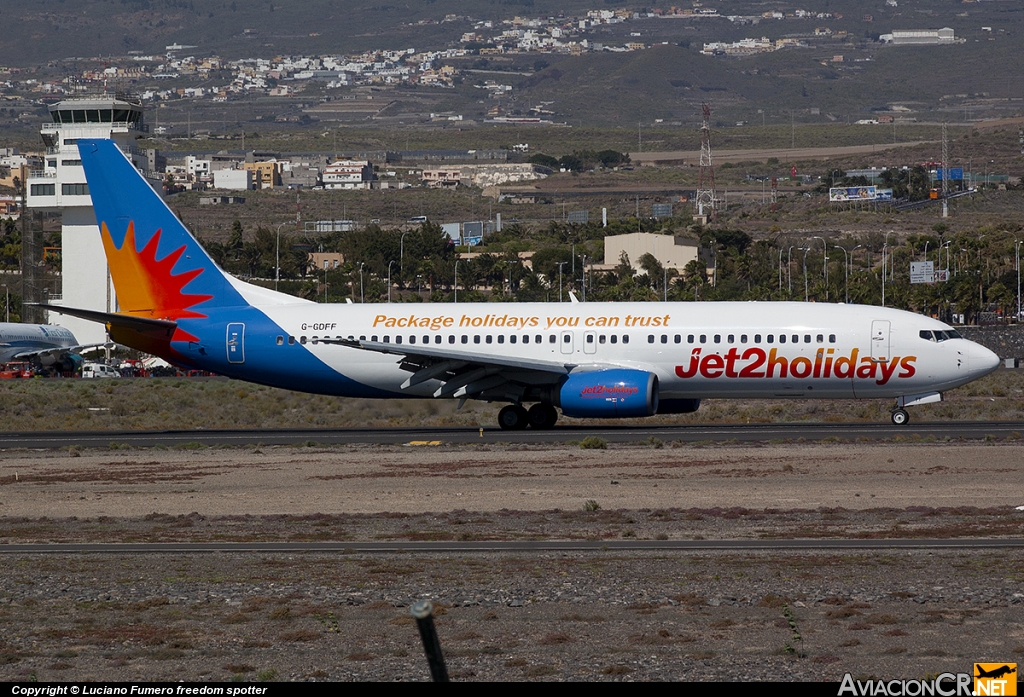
(990, 679)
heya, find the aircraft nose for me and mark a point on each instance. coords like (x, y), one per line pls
(982, 361)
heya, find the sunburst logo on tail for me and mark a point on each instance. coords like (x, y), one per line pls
(147, 286)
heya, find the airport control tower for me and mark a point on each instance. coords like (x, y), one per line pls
(61, 187)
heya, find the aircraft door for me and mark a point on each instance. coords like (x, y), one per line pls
(589, 342)
(236, 342)
(566, 342)
(880, 340)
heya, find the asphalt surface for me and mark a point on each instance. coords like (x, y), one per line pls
(739, 433)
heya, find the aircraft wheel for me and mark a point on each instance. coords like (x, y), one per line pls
(512, 418)
(542, 416)
(900, 417)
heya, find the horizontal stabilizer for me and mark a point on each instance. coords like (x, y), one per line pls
(142, 325)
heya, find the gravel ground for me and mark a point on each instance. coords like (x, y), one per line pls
(600, 615)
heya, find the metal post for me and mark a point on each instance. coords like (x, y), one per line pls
(807, 297)
(457, 279)
(7, 299)
(401, 254)
(277, 263)
(423, 611)
(560, 265)
(846, 267)
(361, 298)
(389, 279)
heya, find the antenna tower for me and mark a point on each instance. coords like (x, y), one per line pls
(706, 178)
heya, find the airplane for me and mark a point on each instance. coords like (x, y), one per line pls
(47, 345)
(589, 360)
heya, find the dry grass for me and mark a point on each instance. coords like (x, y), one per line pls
(184, 403)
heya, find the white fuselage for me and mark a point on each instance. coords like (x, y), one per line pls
(697, 350)
(17, 339)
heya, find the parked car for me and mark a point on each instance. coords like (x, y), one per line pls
(99, 370)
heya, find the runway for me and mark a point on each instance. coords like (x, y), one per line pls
(700, 433)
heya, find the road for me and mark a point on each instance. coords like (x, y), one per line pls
(712, 433)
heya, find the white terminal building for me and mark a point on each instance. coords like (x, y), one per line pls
(61, 187)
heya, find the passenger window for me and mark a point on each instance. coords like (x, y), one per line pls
(757, 338)
(567, 338)
(718, 338)
(743, 338)
(526, 338)
(373, 338)
(412, 339)
(488, 338)
(590, 338)
(796, 338)
(614, 338)
(437, 339)
(689, 338)
(302, 340)
(476, 338)
(511, 339)
(703, 338)
(782, 338)
(625, 338)
(732, 339)
(600, 339)
(387, 339)
(664, 338)
(807, 338)
(280, 341)
(362, 338)
(465, 339)
(398, 339)
(821, 338)
(831, 338)
(771, 338)
(650, 338)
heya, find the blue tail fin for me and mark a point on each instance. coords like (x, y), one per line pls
(158, 268)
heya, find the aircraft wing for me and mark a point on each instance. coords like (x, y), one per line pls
(55, 351)
(467, 374)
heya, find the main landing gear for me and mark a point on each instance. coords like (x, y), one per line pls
(900, 417)
(516, 418)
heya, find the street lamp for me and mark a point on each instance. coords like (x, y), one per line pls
(457, 279)
(789, 267)
(7, 298)
(824, 262)
(560, 265)
(807, 296)
(277, 259)
(846, 267)
(361, 299)
(401, 254)
(389, 279)
(584, 272)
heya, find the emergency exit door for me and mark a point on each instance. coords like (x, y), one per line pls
(236, 342)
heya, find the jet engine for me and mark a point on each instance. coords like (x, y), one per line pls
(609, 394)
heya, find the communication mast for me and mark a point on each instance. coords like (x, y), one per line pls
(706, 178)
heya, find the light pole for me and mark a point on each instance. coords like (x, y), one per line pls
(780, 269)
(361, 297)
(584, 272)
(789, 267)
(401, 254)
(277, 259)
(389, 279)
(846, 267)
(7, 298)
(456, 286)
(1017, 260)
(824, 262)
(807, 296)
(560, 265)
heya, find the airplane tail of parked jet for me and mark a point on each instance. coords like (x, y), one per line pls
(590, 360)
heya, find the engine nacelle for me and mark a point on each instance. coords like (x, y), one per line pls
(678, 406)
(609, 394)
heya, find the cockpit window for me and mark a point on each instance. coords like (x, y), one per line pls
(939, 335)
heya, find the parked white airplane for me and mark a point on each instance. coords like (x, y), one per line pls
(44, 344)
(588, 359)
